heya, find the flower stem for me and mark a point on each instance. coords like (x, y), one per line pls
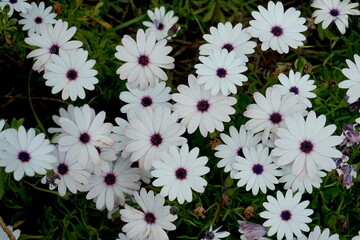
(6, 230)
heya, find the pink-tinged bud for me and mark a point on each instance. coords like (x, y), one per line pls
(251, 231)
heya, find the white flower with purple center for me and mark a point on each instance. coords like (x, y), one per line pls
(17, 5)
(214, 234)
(24, 152)
(233, 146)
(151, 220)
(286, 215)
(316, 234)
(277, 29)
(37, 16)
(353, 81)
(51, 39)
(307, 144)
(334, 11)
(225, 36)
(199, 109)
(144, 59)
(256, 169)
(179, 172)
(221, 72)
(107, 155)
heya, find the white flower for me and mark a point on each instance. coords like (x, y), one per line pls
(119, 137)
(51, 40)
(144, 59)
(161, 22)
(302, 182)
(66, 113)
(356, 237)
(151, 132)
(37, 16)
(2, 124)
(214, 235)
(71, 72)
(300, 85)
(225, 36)
(123, 237)
(286, 215)
(334, 11)
(23, 152)
(178, 172)
(252, 231)
(270, 111)
(316, 234)
(199, 109)
(136, 99)
(256, 169)
(107, 155)
(110, 188)
(4, 236)
(307, 144)
(221, 71)
(18, 6)
(83, 134)
(277, 29)
(233, 146)
(353, 81)
(150, 222)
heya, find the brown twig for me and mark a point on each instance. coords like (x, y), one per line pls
(6, 230)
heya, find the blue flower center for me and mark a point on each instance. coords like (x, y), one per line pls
(294, 90)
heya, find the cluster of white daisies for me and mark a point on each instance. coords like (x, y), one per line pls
(282, 142)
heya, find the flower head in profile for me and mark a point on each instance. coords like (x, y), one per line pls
(15, 233)
(179, 172)
(199, 109)
(161, 22)
(214, 234)
(316, 234)
(37, 16)
(277, 29)
(286, 215)
(144, 59)
(225, 36)
(149, 222)
(252, 231)
(351, 136)
(18, 5)
(353, 81)
(334, 11)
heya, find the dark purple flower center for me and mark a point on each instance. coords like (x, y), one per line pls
(258, 169)
(285, 215)
(294, 90)
(135, 164)
(62, 169)
(203, 105)
(277, 31)
(221, 72)
(160, 26)
(84, 138)
(228, 46)
(38, 20)
(13, 1)
(306, 146)
(209, 236)
(275, 118)
(240, 152)
(156, 139)
(24, 156)
(54, 49)
(149, 218)
(72, 74)
(146, 101)
(334, 12)
(110, 179)
(98, 149)
(181, 173)
(143, 60)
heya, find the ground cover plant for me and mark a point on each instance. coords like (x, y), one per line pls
(179, 120)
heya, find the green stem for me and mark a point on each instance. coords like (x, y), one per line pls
(125, 24)
(41, 189)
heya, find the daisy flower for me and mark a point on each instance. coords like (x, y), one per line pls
(23, 152)
(107, 155)
(256, 169)
(277, 29)
(51, 40)
(71, 72)
(151, 220)
(233, 146)
(316, 234)
(153, 96)
(199, 109)
(307, 144)
(353, 81)
(110, 188)
(122, 236)
(334, 11)
(225, 36)
(214, 234)
(151, 132)
(252, 231)
(286, 215)
(270, 111)
(37, 16)
(297, 84)
(66, 113)
(144, 59)
(118, 135)
(2, 124)
(83, 134)
(15, 233)
(18, 6)
(221, 71)
(356, 237)
(161, 22)
(178, 172)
